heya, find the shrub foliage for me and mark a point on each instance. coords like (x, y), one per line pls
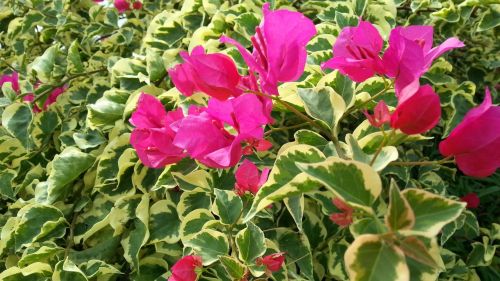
(340, 203)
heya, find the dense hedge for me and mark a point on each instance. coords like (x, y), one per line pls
(76, 203)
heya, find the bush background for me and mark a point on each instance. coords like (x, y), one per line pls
(76, 203)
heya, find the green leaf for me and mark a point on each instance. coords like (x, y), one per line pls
(44, 125)
(229, 206)
(193, 223)
(360, 6)
(209, 244)
(417, 250)
(66, 167)
(450, 229)
(155, 66)
(490, 19)
(88, 139)
(41, 254)
(6, 185)
(233, 267)
(345, 20)
(74, 61)
(460, 105)
(16, 119)
(67, 270)
(323, 104)
(104, 113)
(286, 179)
(386, 155)
(33, 272)
(424, 263)
(37, 223)
(295, 206)
(432, 211)
(192, 200)
(382, 13)
(399, 214)
(251, 243)
(354, 182)
(164, 223)
(369, 225)
(98, 268)
(298, 250)
(138, 234)
(482, 254)
(370, 258)
(45, 66)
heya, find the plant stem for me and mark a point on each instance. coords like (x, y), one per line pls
(301, 115)
(382, 144)
(425, 163)
(294, 110)
(8, 64)
(272, 130)
(361, 105)
(63, 82)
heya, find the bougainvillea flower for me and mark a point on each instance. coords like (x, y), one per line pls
(381, 115)
(344, 218)
(475, 141)
(356, 52)
(205, 138)
(471, 199)
(417, 113)
(13, 78)
(122, 5)
(213, 74)
(410, 54)
(256, 144)
(50, 99)
(279, 47)
(153, 135)
(246, 114)
(248, 178)
(186, 269)
(272, 262)
(137, 5)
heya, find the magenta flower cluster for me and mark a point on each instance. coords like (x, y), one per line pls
(232, 124)
(13, 78)
(357, 54)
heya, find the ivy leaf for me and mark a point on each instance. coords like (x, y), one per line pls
(233, 267)
(399, 214)
(417, 250)
(323, 104)
(251, 243)
(16, 119)
(370, 258)
(354, 182)
(286, 179)
(432, 211)
(209, 244)
(66, 167)
(164, 223)
(229, 206)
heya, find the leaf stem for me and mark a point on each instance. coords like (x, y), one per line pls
(306, 118)
(446, 160)
(382, 144)
(361, 105)
(292, 109)
(8, 64)
(63, 82)
(272, 130)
